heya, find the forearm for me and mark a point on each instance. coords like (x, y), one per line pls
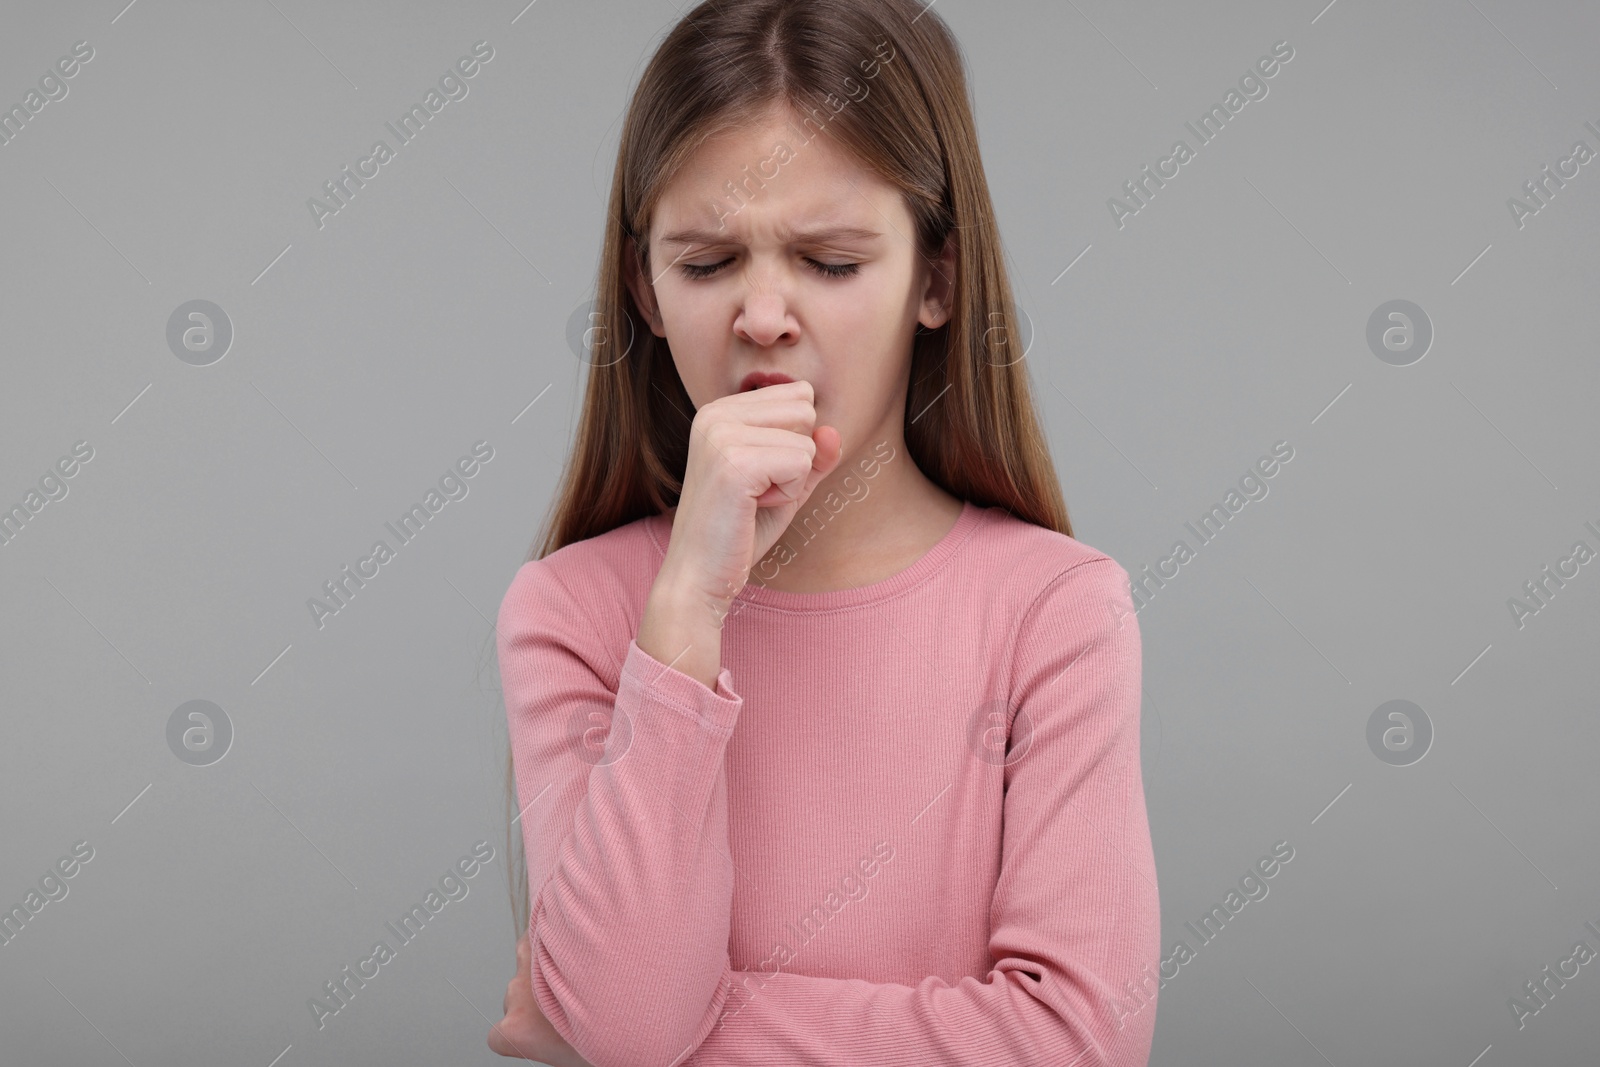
(642, 884)
(1010, 1016)
(682, 627)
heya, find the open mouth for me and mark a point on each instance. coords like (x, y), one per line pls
(761, 379)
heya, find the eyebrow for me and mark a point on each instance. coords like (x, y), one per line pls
(820, 236)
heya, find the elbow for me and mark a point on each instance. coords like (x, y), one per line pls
(635, 1044)
(1116, 1035)
(620, 1003)
(634, 1041)
(621, 1025)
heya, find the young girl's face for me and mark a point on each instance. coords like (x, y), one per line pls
(754, 281)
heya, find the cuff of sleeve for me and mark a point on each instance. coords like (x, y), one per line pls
(716, 709)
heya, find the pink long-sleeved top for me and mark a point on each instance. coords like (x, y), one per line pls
(907, 826)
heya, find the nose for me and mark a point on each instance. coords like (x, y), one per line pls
(764, 320)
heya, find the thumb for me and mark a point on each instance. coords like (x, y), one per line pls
(830, 447)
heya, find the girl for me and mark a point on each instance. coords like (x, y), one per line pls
(824, 729)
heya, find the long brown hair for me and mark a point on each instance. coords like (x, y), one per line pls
(886, 79)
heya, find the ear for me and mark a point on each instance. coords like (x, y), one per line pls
(644, 294)
(938, 292)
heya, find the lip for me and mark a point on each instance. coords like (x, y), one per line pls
(758, 379)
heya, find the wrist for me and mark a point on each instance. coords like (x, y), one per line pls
(690, 598)
(682, 629)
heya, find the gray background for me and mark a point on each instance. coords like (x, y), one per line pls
(368, 356)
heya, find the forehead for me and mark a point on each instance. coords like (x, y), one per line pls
(775, 177)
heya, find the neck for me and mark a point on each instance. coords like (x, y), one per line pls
(875, 515)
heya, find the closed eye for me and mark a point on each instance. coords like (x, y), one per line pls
(830, 270)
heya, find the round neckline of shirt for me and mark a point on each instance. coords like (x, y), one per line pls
(659, 527)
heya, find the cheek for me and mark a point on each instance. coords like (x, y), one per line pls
(868, 319)
(866, 354)
(698, 348)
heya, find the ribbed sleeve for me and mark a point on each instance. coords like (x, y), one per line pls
(629, 874)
